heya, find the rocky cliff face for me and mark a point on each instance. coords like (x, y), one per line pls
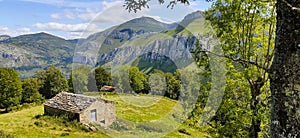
(14, 56)
(102, 43)
(176, 49)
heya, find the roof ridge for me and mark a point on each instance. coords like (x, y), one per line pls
(71, 102)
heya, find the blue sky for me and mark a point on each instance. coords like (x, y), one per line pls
(79, 18)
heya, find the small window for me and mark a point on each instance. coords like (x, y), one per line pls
(93, 115)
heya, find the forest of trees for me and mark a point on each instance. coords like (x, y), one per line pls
(44, 85)
(47, 83)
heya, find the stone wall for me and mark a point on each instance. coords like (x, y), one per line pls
(106, 113)
(57, 112)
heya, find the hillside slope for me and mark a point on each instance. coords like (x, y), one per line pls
(29, 123)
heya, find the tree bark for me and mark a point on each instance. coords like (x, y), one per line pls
(255, 123)
(285, 72)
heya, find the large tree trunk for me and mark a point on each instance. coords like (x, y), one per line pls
(285, 71)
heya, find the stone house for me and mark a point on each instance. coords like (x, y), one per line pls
(85, 109)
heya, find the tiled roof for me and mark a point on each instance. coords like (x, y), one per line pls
(71, 102)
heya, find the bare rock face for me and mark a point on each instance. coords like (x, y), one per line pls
(177, 49)
(14, 56)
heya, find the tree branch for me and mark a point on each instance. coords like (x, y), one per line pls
(291, 6)
(238, 60)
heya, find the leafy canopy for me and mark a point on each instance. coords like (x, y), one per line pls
(10, 88)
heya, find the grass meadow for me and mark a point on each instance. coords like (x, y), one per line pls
(137, 116)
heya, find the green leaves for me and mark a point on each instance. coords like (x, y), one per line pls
(102, 77)
(246, 31)
(137, 79)
(30, 93)
(78, 80)
(52, 82)
(11, 88)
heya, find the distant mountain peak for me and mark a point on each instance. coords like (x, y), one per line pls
(188, 19)
(44, 33)
(194, 15)
(38, 36)
(148, 24)
(143, 19)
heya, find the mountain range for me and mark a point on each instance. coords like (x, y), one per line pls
(143, 42)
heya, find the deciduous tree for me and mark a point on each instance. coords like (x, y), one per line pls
(102, 77)
(30, 93)
(52, 82)
(10, 88)
(78, 81)
(136, 79)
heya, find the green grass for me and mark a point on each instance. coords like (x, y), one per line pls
(148, 116)
(141, 108)
(198, 26)
(138, 116)
(24, 124)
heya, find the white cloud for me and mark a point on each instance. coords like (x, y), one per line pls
(24, 30)
(110, 11)
(193, 3)
(69, 15)
(3, 29)
(55, 16)
(117, 14)
(91, 29)
(107, 4)
(71, 30)
(88, 14)
(53, 26)
(18, 31)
